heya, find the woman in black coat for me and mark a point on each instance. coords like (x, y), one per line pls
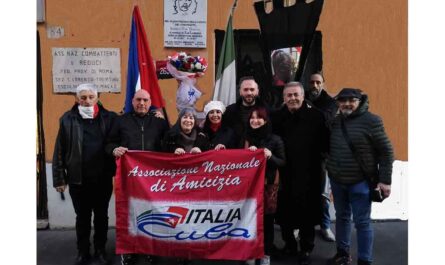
(220, 137)
(259, 135)
(185, 136)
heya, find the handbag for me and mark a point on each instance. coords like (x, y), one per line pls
(271, 195)
(375, 195)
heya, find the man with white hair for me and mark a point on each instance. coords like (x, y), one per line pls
(80, 162)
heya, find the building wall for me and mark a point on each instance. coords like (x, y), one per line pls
(364, 46)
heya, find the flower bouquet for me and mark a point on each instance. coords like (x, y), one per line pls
(192, 66)
(185, 69)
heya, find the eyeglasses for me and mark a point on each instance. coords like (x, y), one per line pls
(352, 100)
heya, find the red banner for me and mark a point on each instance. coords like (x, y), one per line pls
(200, 206)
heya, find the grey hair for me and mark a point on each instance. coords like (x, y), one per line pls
(294, 83)
(86, 87)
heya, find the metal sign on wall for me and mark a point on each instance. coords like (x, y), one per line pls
(185, 23)
(74, 66)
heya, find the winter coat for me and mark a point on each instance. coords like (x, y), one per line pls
(137, 133)
(277, 160)
(67, 157)
(305, 138)
(368, 136)
(171, 141)
(327, 105)
(232, 119)
(224, 135)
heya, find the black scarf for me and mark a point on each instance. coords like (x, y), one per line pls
(256, 136)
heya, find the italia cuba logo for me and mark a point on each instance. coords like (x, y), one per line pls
(184, 224)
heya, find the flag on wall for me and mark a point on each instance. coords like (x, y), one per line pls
(225, 85)
(141, 73)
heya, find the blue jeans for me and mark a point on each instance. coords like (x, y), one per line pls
(353, 200)
(326, 218)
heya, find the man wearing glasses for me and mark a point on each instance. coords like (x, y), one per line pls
(364, 132)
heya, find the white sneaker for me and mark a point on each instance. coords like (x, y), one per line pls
(265, 260)
(327, 235)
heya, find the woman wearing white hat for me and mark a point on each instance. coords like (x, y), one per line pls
(220, 137)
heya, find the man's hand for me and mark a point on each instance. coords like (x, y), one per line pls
(119, 151)
(179, 151)
(385, 188)
(158, 114)
(220, 147)
(195, 150)
(61, 188)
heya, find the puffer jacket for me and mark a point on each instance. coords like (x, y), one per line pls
(67, 157)
(368, 136)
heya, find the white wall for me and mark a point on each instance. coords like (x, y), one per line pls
(61, 213)
(396, 206)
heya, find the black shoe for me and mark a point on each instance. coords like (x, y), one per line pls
(362, 262)
(100, 257)
(82, 258)
(304, 258)
(340, 259)
(128, 259)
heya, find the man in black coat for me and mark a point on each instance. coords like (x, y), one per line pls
(320, 99)
(305, 137)
(137, 130)
(80, 161)
(355, 128)
(237, 114)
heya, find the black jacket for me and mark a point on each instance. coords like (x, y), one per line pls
(327, 105)
(368, 136)
(277, 160)
(171, 140)
(224, 135)
(232, 119)
(67, 157)
(305, 138)
(137, 133)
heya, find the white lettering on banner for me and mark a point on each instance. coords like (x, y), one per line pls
(196, 221)
(221, 168)
(219, 182)
(209, 166)
(136, 172)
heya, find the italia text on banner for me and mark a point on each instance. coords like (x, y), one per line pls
(196, 206)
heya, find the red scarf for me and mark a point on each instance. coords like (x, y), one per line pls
(215, 126)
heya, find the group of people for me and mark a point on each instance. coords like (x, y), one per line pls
(303, 144)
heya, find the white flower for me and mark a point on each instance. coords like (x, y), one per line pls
(198, 66)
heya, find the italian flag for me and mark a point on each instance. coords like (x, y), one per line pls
(225, 85)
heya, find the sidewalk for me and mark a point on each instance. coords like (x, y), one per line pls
(58, 247)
